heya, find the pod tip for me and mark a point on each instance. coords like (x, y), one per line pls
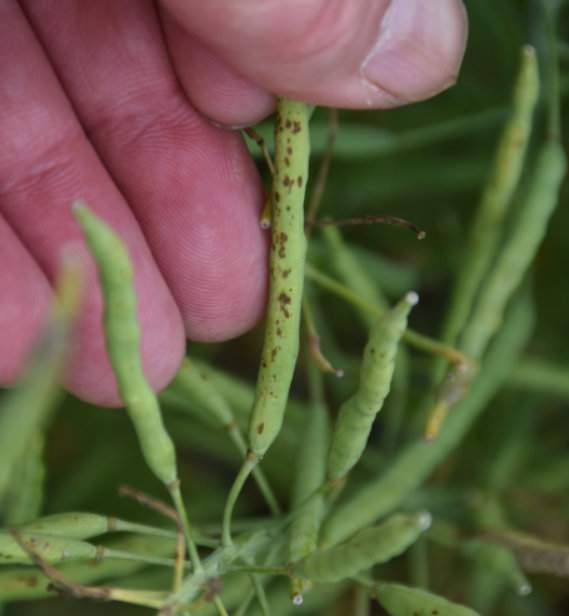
(425, 520)
(412, 298)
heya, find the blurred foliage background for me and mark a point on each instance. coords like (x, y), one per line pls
(428, 163)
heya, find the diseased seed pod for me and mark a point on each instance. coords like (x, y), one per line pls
(401, 600)
(122, 337)
(286, 278)
(286, 274)
(367, 548)
(357, 414)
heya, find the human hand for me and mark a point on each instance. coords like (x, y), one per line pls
(105, 101)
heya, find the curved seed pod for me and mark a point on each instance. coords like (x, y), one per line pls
(288, 248)
(51, 549)
(122, 334)
(519, 249)
(358, 413)
(416, 462)
(366, 549)
(401, 600)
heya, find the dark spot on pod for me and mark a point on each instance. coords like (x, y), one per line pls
(260, 428)
(288, 124)
(289, 151)
(287, 181)
(281, 240)
(287, 161)
(277, 196)
(288, 208)
(286, 272)
(274, 352)
(299, 181)
(284, 300)
(296, 127)
(279, 332)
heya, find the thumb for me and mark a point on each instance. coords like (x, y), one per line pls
(342, 53)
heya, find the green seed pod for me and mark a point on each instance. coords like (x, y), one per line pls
(286, 274)
(367, 548)
(51, 549)
(82, 525)
(498, 194)
(358, 413)
(122, 334)
(25, 494)
(401, 600)
(519, 250)
(416, 462)
(500, 562)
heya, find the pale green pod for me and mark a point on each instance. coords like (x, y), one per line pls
(417, 461)
(122, 336)
(310, 473)
(505, 176)
(27, 408)
(84, 525)
(357, 414)
(367, 548)
(51, 549)
(24, 497)
(499, 561)
(401, 600)
(519, 250)
(18, 584)
(286, 274)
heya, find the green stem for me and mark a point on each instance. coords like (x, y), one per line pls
(414, 338)
(246, 469)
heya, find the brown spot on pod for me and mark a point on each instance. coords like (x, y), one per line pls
(284, 301)
(299, 181)
(260, 428)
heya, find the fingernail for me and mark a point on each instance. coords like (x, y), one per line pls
(385, 57)
(418, 48)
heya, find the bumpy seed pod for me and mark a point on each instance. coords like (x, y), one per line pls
(401, 600)
(366, 549)
(122, 336)
(358, 413)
